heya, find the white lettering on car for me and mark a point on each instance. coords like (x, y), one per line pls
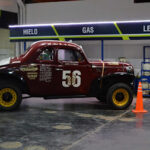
(68, 80)
(45, 73)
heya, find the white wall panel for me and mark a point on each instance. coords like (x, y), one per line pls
(8, 5)
(87, 10)
(7, 48)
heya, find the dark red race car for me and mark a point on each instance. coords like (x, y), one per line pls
(54, 69)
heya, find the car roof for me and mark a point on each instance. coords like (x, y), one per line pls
(55, 42)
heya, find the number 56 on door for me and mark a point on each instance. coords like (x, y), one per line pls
(71, 79)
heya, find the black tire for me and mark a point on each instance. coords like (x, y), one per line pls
(119, 96)
(10, 96)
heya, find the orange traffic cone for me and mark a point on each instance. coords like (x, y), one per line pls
(139, 101)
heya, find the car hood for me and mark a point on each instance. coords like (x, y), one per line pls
(5, 61)
(8, 61)
(107, 63)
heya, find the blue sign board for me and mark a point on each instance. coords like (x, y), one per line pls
(121, 30)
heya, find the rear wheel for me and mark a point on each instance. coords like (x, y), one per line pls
(119, 96)
(10, 96)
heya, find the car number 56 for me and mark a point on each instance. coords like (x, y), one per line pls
(71, 80)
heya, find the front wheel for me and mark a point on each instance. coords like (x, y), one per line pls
(119, 96)
(10, 96)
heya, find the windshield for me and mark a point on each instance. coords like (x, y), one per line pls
(25, 51)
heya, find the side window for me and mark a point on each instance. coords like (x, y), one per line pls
(46, 54)
(69, 55)
(79, 56)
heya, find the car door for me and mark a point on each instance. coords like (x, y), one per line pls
(41, 74)
(72, 72)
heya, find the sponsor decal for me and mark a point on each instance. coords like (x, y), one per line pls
(45, 73)
(113, 63)
(32, 75)
(29, 68)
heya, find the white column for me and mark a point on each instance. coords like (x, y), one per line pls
(22, 20)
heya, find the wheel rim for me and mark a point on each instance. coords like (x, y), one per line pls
(120, 97)
(8, 97)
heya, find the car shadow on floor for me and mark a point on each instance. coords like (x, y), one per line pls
(76, 104)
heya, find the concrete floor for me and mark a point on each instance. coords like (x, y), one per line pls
(76, 124)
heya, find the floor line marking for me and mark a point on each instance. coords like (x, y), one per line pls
(90, 133)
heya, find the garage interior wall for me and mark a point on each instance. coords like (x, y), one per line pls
(113, 50)
(9, 5)
(96, 10)
(87, 10)
(7, 48)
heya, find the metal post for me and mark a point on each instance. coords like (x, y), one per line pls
(144, 49)
(25, 46)
(17, 49)
(102, 49)
(21, 19)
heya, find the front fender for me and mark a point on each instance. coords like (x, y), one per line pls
(122, 77)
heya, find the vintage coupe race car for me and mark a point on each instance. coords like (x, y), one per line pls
(55, 69)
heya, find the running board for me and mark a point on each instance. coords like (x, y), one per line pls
(59, 97)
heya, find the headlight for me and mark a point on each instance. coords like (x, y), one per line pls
(130, 69)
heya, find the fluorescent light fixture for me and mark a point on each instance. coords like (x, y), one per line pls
(77, 23)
